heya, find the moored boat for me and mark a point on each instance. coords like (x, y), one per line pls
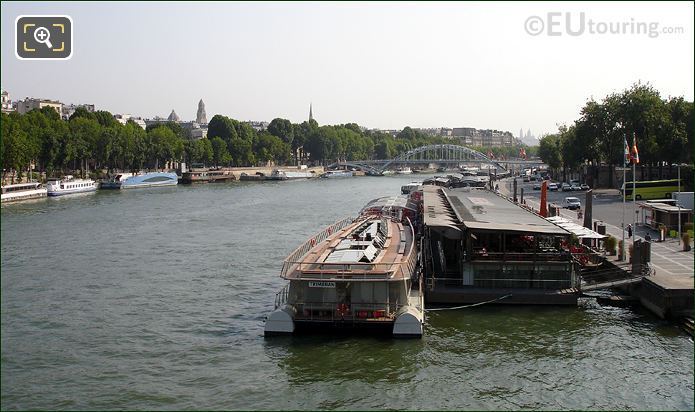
(68, 185)
(150, 179)
(403, 171)
(357, 273)
(406, 189)
(207, 176)
(22, 191)
(114, 182)
(332, 174)
(278, 174)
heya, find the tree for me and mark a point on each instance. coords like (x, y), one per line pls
(281, 128)
(81, 112)
(222, 126)
(205, 151)
(549, 151)
(220, 153)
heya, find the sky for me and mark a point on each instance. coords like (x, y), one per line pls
(504, 66)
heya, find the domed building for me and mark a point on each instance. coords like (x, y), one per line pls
(173, 117)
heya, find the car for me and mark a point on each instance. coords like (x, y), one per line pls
(536, 186)
(572, 203)
(526, 179)
(566, 187)
(575, 187)
(533, 178)
(585, 187)
(552, 187)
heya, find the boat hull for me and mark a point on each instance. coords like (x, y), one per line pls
(23, 195)
(66, 192)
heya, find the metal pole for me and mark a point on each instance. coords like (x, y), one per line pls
(678, 202)
(622, 247)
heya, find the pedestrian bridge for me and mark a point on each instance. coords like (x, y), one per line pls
(444, 154)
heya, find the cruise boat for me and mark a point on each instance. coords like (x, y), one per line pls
(332, 174)
(356, 273)
(68, 185)
(22, 191)
(150, 179)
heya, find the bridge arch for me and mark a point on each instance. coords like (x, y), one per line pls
(442, 153)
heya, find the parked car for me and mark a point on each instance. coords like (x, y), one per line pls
(575, 187)
(552, 187)
(572, 203)
(526, 179)
(566, 187)
(536, 186)
(585, 187)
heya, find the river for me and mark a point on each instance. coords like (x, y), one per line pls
(155, 299)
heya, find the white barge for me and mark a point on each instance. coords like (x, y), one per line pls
(359, 273)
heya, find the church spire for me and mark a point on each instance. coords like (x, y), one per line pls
(311, 113)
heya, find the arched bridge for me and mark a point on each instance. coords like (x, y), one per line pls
(438, 153)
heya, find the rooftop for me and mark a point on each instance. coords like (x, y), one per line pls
(483, 210)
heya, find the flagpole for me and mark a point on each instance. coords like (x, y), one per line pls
(622, 245)
(634, 181)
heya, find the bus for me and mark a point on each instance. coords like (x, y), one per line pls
(650, 189)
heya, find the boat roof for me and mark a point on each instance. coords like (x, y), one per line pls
(21, 184)
(391, 201)
(480, 209)
(368, 248)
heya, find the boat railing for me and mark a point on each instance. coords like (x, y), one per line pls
(281, 296)
(302, 250)
(337, 311)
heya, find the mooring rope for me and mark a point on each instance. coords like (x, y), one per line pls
(469, 306)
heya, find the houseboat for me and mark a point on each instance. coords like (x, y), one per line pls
(207, 176)
(479, 246)
(22, 191)
(356, 273)
(332, 174)
(68, 185)
(150, 179)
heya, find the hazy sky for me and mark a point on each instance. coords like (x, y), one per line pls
(385, 65)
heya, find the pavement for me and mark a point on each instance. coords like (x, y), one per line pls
(672, 265)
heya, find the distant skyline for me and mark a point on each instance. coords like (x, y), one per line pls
(382, 65)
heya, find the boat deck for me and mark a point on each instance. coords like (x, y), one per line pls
(331, 259)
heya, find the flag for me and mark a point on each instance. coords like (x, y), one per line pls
(628, 158)
(635, 153)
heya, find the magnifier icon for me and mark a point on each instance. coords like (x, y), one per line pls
(42, 35)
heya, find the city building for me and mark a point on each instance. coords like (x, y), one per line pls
(124, 118)
(259, 126)
(69, 109)
(7, 105)
(29, 104)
